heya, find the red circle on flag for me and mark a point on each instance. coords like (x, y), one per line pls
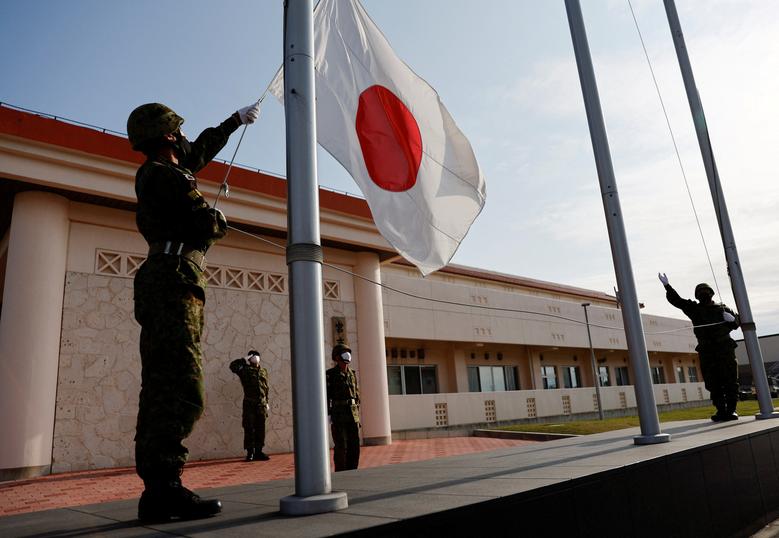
(389, 138)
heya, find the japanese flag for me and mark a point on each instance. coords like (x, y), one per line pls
(391, 131)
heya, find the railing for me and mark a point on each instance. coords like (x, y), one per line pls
(410, 412)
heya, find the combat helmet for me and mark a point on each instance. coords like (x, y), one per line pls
(703, 286)
(149, 122)
(338, 349)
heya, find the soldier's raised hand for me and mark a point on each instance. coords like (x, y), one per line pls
(249, 114)
(663, 278)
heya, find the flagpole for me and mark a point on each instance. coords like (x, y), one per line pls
(313, 493)
(634, 330)
(723, 219)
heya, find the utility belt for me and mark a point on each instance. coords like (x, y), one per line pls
(349, 401)
(179, 249)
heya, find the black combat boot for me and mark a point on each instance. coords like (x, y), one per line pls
(250, 456)
(720, 416)
(730, 410)
(163, 501)
(721, 413)
(260, 455)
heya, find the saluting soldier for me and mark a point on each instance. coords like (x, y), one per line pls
(343, 406)
(254, 379)
(179, 227)
(716, 349)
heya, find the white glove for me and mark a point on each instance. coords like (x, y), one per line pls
(249, 114)
(663, 278)
(727, 316)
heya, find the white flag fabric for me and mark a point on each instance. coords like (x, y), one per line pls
(391, 131)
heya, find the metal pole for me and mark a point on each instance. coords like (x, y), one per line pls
(723, 219)
(304, 258)
(595, 375)
(634, 331)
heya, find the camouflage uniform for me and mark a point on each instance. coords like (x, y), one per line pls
(255, 399)
(343, 406)
(716, 349)
(169, 300)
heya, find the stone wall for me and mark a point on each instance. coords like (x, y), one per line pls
(99, 372)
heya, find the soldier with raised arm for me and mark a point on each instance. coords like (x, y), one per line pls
(713, 323)
(179, 226)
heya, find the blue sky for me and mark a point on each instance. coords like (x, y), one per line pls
(506, 71)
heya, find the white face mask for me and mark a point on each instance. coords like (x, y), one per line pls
(254, 360)
(346, 357)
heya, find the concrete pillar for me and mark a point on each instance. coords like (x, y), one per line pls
(374, 394)
(533, 362)
(30, 332)
(460, 369)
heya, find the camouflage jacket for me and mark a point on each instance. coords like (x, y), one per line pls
(717, 331)
(343, 395)
(254, 381)
(171, 208)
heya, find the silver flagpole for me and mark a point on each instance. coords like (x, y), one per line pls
(634, 331)
(313, 493)
(721, 209)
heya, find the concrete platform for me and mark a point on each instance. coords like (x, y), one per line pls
(710, 480)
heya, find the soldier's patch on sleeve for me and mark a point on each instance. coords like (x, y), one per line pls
(192, 181)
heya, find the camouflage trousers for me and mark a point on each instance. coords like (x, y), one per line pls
(254, 416)
(346, 441)
(720, 376)
(172, 393)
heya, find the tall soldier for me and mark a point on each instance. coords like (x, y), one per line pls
(254, 379)
(716, 349)
(343, 406)
(179, 227)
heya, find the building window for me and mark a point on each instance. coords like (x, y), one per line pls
(571, 377)
(512, 378)
(658, 375)
(549, 377)
(692, 374)
(680, 374)
(412, 379)
(473, 379)
(603, 376)
(621, 376)
(492, 378)
(395, 379)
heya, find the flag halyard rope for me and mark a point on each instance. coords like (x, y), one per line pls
(225, 186)
(456, 303)
(676, 149)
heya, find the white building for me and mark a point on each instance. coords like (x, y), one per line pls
(509, 349)
(769, 348)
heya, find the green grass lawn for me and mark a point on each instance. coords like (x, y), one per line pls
(746, 408)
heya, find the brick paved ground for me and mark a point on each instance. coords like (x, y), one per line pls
(90, 487)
